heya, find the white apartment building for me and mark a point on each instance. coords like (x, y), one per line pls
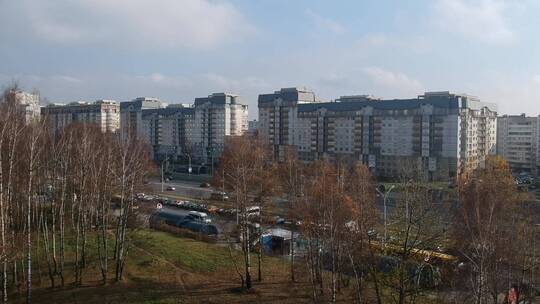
(217, 116)
(27, 104)
(443, 133)
(196, 131)
(104, 113)
(30, 104)
(517, 142)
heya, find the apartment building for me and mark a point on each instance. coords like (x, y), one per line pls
(169, 131)
(197, 131)
(441, 132)
(517, 142)
(104, 113)
(26, 103)
(252, 127)
(217, 116)
(131, 114)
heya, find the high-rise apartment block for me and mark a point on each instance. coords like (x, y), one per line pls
(104, 113)
(131, 114)
(30, 103)
(517, 142)
(252, 127)
(441, 132)
(169, 131)
(27, 104)
(217, 116)
(195, 131)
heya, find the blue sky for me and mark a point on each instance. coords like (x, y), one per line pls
(180, 49)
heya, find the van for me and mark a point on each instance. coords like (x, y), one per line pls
(198, 217)
(219, 196)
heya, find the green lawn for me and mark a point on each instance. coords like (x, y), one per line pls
(165, 268)
(189, 254)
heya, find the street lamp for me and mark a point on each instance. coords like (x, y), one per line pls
(385, 196)
(210, 150)
(189, 168)
(162, 177)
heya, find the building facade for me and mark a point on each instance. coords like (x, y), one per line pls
(252, 127)
(196, 131)
(30, 105)
(217, 116)
(169, 131)
(131, 114)
(27, 104)
(442, 133)
(104, 113)
(517, 142)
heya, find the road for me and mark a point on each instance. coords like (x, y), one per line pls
(183, 188)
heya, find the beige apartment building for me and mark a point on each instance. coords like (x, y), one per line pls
(197, 130)
(517, 142)
(441, 132)
(104, 113)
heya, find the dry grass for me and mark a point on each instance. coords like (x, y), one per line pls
(163, 268)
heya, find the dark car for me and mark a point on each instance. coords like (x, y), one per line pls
(164, 217)
(205, 185)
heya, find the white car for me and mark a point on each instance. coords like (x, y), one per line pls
(253, 211)
(199, 216)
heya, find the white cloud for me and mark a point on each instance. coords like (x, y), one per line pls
(121, 87)
(394, 82)
(67, 79)
(476, 19)
(375, 42)
(129, 24)
(325, 23)
(32, 80)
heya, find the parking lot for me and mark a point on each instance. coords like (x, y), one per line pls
(223, 218)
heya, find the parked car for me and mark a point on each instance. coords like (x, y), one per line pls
(212, 209)
(280, 220)
(198, 217)
(219, 196)
(253, 211)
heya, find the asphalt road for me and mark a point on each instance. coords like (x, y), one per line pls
(182, 188)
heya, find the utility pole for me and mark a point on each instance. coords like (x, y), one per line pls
(162, 176)
(385, 196)
(212, 152)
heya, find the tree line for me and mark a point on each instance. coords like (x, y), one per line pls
(57, 195)
(471, 244)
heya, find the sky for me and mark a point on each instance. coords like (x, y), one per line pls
(177, 50)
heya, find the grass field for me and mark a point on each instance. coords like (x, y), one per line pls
(164, 268)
